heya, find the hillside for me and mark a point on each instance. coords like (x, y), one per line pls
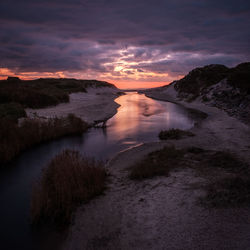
(215, 85)
(42, 93)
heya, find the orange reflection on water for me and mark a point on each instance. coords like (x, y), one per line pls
(133, 106)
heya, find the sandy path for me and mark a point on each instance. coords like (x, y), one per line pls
(162, 213)
(96, 104)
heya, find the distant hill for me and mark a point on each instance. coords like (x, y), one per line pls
(45, 92)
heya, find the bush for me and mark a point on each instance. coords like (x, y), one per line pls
(68, 181)
(174, 134)
(157, 163)
(12, 111)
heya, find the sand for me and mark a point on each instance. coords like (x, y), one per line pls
(162, 213)
(95, 105)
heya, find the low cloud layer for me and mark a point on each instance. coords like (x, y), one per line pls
(121, 40)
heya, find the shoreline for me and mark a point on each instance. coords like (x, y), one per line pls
(162, 211)
(96, 105)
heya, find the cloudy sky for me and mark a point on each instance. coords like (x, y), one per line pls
(132, 43)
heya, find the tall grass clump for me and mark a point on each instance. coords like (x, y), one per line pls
(15, 138)
(69, 180)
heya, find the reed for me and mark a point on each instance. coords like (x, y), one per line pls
(69, 180)
(14, 138)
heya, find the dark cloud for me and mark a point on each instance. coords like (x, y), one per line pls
(90, 35)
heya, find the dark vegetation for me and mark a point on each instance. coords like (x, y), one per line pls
(228, 192)
(41, 93)
(232, 95)
(16, 95)
(228, 178)
(12, 111)
(15, 138)
(68, 181)
(239, 77)
(158, 163)
(201, 78)
(174, 134)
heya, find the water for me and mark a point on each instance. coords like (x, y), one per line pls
(139, 119)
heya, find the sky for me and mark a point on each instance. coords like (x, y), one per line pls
(131, 43)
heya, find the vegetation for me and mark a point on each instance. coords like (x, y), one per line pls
(200, 78)
(228, 192)
(158, 163)
(16, 95)
(41, 93)
(174, 134)
(239, 77)
(68, 181)
(226, 161)
(11, 111)
(221, 191)
(15, 138)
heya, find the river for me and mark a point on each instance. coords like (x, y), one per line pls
(139, 119)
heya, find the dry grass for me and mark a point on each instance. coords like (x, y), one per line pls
(14, 138)
(174, 134)
(228, 178)
(158, 163)
(68, 181)
(228, 192)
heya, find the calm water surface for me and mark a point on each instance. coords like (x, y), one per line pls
(139, 119)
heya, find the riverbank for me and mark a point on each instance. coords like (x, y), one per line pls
(95, 105)
(52, 108)
(162, 212)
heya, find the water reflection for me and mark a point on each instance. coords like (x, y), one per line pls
(139, 119)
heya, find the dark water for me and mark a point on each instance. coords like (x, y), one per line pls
(139, 119)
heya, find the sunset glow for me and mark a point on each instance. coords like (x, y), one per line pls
(112, 41)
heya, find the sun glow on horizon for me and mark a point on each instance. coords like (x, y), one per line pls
(138, 80)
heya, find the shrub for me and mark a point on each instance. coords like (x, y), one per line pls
(12, 111)
(157, 163)
(174, 134)
(68, 181)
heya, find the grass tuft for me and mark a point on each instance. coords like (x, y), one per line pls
(225, 160)
(158, 163)
(174, 134)
(69, 180)
(228, 178)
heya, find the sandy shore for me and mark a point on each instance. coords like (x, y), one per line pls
(95, 105)
(162, 213)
